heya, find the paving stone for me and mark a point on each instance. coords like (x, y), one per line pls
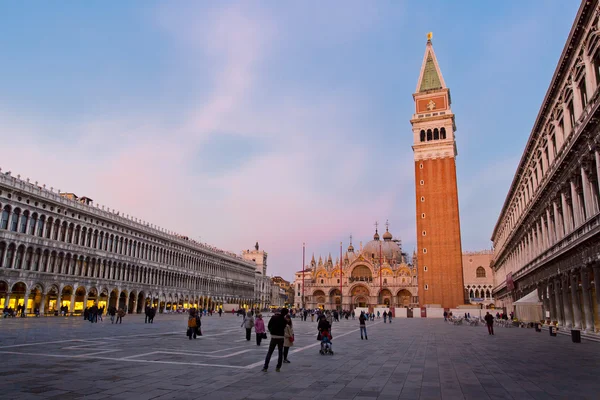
(410, 359)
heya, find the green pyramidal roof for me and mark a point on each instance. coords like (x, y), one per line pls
(431, 79)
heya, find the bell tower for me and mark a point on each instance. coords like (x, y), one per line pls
(438, 224)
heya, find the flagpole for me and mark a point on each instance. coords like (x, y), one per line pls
(303, 251)
(341, 280)
(380, 267)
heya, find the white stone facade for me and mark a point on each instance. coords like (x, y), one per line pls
(548, 234)
(56, 250)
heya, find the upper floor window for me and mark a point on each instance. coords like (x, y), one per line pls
(582, 92)
(4, 221)
(443, 133)
(480, 272)
(571, 114)
(422, 135)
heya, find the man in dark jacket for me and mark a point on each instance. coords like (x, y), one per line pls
(489, 320)
(276, 328)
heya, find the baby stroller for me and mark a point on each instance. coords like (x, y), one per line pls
(326, 345)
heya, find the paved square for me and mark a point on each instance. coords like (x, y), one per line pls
(65, 358)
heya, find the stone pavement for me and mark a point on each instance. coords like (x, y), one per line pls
(69, 358)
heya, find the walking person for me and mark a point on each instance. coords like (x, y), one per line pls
(100, 312)
(353, 314)
(151, 315)
(276, 328)
(120, 315)
(362, 320)
(385, 314)
(248, 323)
(288, 338)
(111, 312)
(259, 329)
(389, 317)
(489, 321)
(192, 324)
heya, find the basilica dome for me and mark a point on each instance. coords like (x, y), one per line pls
(389, 250)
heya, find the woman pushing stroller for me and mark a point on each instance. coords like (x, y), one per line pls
(325, 337)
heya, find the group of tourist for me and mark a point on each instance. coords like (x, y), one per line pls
(93, 313)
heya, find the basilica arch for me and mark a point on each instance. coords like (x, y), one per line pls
(404, 298)
(319, 298)
(361, 273)
(385, 297)
(360, 296)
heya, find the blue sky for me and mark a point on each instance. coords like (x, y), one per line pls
(270, 121)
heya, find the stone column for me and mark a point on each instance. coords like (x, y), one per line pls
(587, 303)
(577, 316)
(558, 224)
(551, 229)
(566, 301)
(597, 289)
(72, 303)
(552, 298)
(557, 294)
(566, 217)
(42, 304)
(576, 205)
(546, 289)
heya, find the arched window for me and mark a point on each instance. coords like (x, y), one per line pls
(63, 231)
(429, 135)
(443, 133)
(24, 218)
(477, 293)
(5, 215)
(40, 228)
(487, 294)
(32, 222)
(480, 272)
(422, 135)
(49, 227)
(14, 223)
(436, 134)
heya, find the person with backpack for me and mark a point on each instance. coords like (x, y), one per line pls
(248, 323)
(363, 325)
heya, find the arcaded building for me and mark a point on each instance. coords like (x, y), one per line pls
(547, 237)
(57, 249)
(438, 222)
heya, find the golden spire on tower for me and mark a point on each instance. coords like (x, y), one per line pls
(429, 36)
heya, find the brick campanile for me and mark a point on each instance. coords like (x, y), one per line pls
(438, 224)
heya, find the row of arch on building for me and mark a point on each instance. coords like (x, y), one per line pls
(362, 296)
(39, 225)
(480, 291)
(48, 299)
(429, 134)
(20, 257)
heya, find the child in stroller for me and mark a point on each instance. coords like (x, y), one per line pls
(326, 345)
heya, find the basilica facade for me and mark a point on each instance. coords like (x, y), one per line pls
(378, 274)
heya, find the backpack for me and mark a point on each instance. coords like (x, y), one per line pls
(192, 323)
